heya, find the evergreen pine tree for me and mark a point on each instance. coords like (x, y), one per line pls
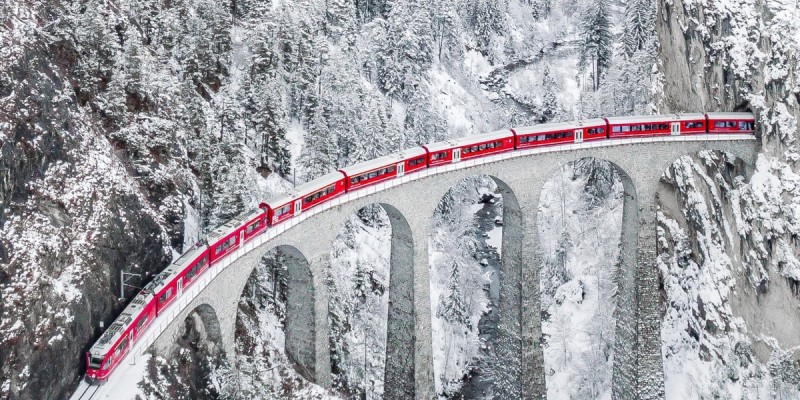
(452, 306)
(550, 107)
(342, 24)
(639, 25)
(409, 51)
(321, 152)
(487, 21)
(445, 30)
(423, 124)
(596, 46)
(541, 9)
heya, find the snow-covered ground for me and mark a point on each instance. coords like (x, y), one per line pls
(579, 230)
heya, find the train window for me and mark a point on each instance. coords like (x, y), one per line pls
(663, 126)
(253, 226)
(416, 161)
(165, 296)
(141, 323)
(438, 156)
(690, 125)
(191, 273)
(283, 210)
(745, 126)
(107, 363)
(95, 362)
(725, 124)
(324, 192)
(225, 245)
(122, 346)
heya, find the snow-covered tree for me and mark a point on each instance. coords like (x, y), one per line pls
(408, 52)
(445, 29)
(341, 21)
(550, 108)
(488, 20)
(597, 42)
(639, 27)
(452, 306)
(541, 8)
(321, 152)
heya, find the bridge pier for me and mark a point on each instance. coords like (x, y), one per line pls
(322, 345)
(650, 381)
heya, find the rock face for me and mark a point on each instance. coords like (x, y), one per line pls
(71, 220)
(728, 254)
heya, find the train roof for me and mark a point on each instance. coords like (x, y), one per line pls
(559, 126)
(656, 118)
(278, 201)
(317, 184)
(121, 324)
(383, 161)
(466, 140)
(231, 224)
(730, 115)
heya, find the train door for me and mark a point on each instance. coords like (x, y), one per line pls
(298, 207)
(676, 129)
(180, 286)
(241, 238)
(401, 168)
(456, 155)
(578, 135)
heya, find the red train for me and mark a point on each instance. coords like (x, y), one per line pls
(171, 283)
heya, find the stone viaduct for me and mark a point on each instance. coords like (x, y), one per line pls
(410, 203)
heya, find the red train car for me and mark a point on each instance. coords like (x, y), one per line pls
(469, 147)
(560, 133)
(279, 208)
(117, 340)
(656, 125)
(689, 124)
(476, 146)
(384, 168)
(304, 197)
(442, 153)
(731, 122)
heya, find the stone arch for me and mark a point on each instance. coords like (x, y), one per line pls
(202, 328)
(501, 326)
(290, 283)
(625, 315)
(399, 368)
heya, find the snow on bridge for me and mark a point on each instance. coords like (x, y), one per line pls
(410, 202)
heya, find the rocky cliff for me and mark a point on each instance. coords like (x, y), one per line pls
(728, 248)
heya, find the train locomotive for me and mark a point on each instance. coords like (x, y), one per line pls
(163, 290)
